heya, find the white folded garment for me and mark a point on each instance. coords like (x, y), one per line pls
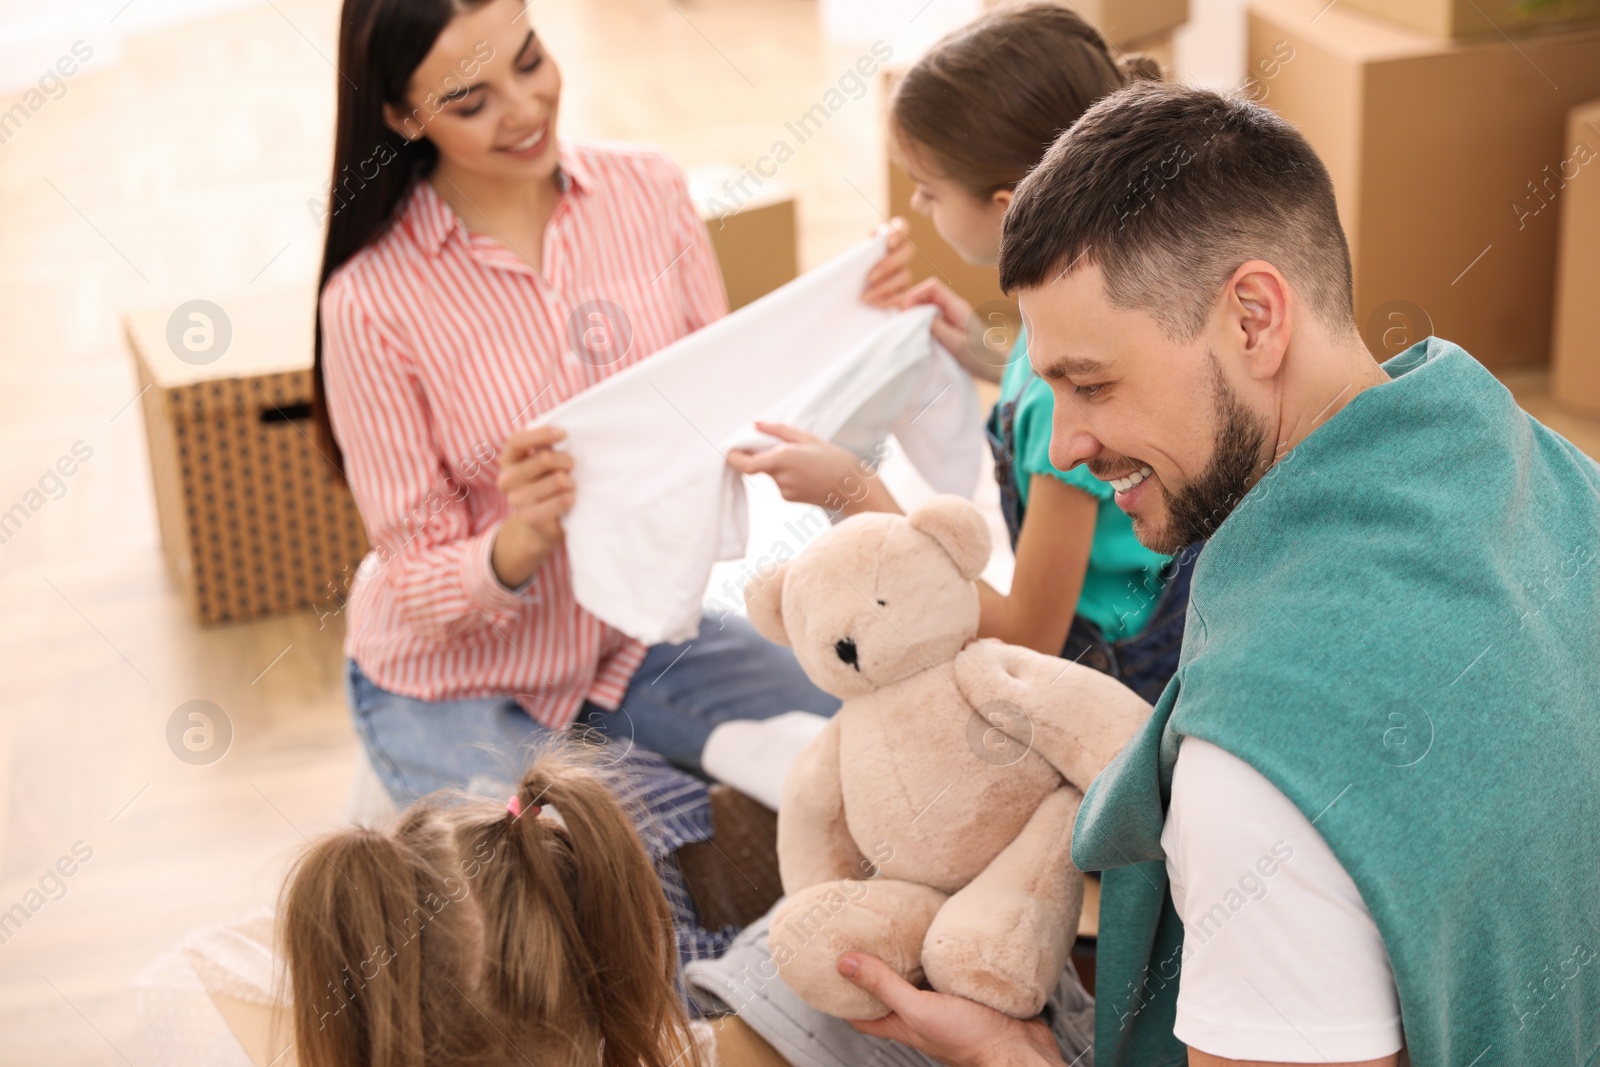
(658, 505)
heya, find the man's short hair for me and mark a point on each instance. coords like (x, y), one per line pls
(1169, 188)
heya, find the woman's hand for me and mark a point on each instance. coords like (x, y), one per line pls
(956, 330)
(809, 470)
(537, 482)
(890, 277)
(952, 1030)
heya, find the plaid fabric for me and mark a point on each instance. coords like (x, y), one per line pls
(481, 745)
(670, 808)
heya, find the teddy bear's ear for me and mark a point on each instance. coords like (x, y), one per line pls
(959, 529)
(763, 600)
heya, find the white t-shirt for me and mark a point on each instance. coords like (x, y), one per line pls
(1281, 959)
(660, 505)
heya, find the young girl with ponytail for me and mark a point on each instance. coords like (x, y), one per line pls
(477, 933)
(969, 120)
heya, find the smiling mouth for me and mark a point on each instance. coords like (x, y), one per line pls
(1122, 485)
(532, 141)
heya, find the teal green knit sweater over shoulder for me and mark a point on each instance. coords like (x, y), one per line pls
(1399, 626)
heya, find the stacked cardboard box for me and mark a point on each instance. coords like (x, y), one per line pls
(254, 519)
(1134, 25)
(1480, 18)
(1445, 155)
(1575, 359)
(1125, 22)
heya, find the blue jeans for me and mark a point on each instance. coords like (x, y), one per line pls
(656, 735)
(678, 694)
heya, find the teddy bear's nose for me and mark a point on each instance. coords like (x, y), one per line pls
(846, 648)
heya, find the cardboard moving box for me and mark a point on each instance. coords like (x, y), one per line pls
(1489, 18)
(254, 519)
(754, 228)
(1446, 158)
(1126, 22)
(1157, 46)
(1575, 357)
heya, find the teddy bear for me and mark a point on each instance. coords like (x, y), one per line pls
(930, 823)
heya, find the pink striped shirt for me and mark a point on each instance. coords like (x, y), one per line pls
(437, 344)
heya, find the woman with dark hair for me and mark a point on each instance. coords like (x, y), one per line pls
(479, 270)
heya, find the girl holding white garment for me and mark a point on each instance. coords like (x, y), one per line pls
(969, 120)
(480, 269)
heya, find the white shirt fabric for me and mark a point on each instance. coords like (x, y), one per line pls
(657, 504)
(1281, 959)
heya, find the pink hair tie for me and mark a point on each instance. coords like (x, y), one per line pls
(514, 806)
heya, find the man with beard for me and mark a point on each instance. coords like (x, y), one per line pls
(1360, 824)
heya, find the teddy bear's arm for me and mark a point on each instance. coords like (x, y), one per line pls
(1077, 718)
(814, 844)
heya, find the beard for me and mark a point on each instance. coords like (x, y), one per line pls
(1196, 508)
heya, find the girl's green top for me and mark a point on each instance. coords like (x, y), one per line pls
(1123, 583)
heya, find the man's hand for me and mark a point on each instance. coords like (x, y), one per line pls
(952, 1030)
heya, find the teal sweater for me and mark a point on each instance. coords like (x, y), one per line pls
(1399, 627)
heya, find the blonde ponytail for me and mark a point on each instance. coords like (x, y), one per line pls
(471, 935)
(579, 940)
(372, 931)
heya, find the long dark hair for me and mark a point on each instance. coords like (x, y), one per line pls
(381, 44)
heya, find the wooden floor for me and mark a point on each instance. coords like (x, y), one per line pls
(181, 172)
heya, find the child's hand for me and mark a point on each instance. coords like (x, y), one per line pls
(809, 470)
(890, 277)
(955, 328)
